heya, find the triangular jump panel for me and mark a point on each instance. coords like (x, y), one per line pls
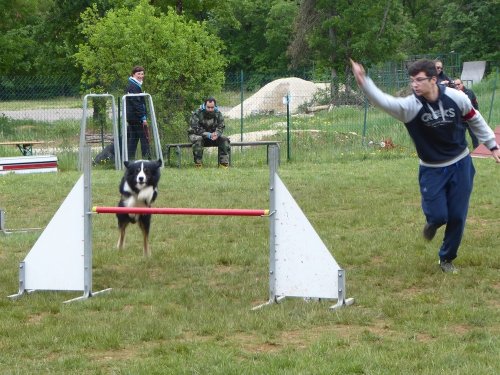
(304, 267)
(56, 261)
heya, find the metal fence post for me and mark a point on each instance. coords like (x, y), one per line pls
(493, 95)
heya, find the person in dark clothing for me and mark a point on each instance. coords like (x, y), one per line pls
(137, 128)
(460, 86)
(434, 116)
(442, 79)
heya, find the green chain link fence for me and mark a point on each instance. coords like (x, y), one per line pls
(315, 118)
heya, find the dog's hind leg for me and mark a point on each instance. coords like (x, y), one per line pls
(121, 239)
(144, 223)
(145, 239)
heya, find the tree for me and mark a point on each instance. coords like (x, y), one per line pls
(17, 34)
(473, 29)
(257, 33)
(183, 61)
(335, 30)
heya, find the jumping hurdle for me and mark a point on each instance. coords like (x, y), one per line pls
(180, 211)
(300, 265)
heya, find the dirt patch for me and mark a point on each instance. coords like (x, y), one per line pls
(271, 97)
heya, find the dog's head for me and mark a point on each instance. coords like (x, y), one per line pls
(142, 173)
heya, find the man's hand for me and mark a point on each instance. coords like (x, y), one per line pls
(359, 72)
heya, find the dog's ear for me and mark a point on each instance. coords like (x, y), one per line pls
(158, 163)
(126, 163)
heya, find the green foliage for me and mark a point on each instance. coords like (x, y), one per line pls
(18, 13)
(370, 32)
(473, 29)
(470, 28)
(265, 37)
(183, 61)
(258, 40)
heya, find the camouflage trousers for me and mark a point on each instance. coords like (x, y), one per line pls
(199, 143)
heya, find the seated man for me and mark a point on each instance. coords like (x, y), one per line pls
(205, 129)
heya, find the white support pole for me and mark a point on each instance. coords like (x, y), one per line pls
(87, 231)
(2, 221)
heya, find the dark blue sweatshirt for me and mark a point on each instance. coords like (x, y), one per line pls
(437, 128)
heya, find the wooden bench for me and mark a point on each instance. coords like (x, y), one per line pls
(178, 146)
(26, 147)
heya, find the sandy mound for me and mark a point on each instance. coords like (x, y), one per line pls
(270, 98)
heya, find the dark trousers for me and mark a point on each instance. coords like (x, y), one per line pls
(199, 143)
(136, 132)
(445, 201)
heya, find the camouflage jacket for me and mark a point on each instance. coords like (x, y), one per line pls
(201, 123)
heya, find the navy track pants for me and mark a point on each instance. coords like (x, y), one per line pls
(445, 201)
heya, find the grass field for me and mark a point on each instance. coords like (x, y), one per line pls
(187, 308)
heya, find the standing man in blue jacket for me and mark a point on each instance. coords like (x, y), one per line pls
(434, 116)
(137, 128)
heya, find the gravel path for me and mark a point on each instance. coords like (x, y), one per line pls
(53, 114)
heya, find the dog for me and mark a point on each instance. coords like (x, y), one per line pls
(138, 188)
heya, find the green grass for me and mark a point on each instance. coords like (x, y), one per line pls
(187, 309)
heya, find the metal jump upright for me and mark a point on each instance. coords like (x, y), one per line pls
(83, 128)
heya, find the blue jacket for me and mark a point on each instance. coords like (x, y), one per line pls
(136, 106)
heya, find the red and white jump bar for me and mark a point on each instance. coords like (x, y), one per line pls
(179, 211)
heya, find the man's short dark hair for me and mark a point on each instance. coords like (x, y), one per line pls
(423, 65)
(211, 99)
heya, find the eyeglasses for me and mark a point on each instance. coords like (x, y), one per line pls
(419, 80)
(439, 67)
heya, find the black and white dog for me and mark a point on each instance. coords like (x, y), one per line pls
(138, 188)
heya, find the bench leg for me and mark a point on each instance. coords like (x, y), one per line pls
(167, 151)
(179, 155)
(26, 150)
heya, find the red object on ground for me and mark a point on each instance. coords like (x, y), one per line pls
(481, 151)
